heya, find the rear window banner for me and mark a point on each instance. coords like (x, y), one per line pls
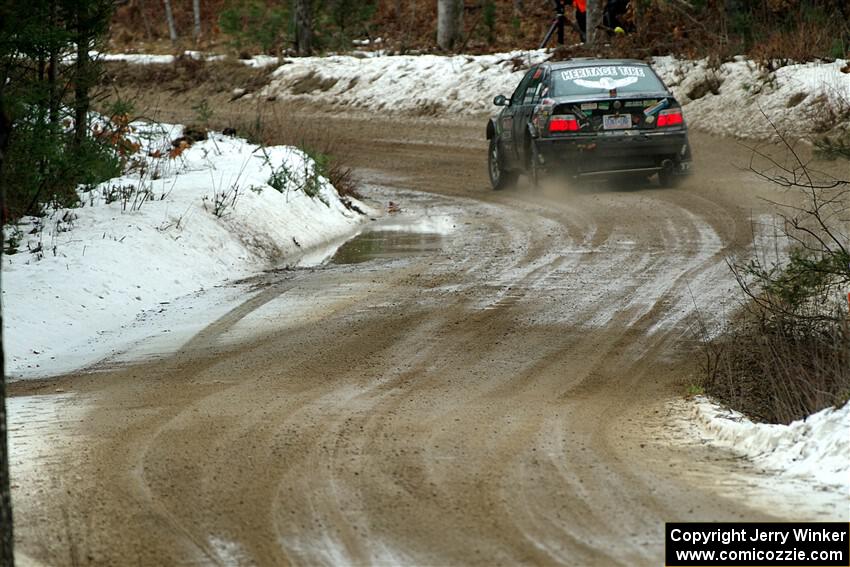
(603, 78)
(592, 72)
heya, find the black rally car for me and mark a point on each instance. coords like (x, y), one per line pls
(589, 118)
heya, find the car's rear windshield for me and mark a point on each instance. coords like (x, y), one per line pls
(600, 79)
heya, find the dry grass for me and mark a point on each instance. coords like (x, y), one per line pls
(779, 371)
(788, 354)
(187, 73)
(311, 82)
(342, 177)
(831, 112)
(284, 125)
(805, 42)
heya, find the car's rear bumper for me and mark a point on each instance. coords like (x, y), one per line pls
(614, 153)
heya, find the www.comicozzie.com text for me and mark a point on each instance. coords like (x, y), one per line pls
(726, 536)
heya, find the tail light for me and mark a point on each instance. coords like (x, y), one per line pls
(563, 123)
(672, 117)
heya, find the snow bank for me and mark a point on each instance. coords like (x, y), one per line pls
(142, 240)
(726, 100)
(815, 449)
(148, 59)
(422, 84)
(804, 98)
(796, 96)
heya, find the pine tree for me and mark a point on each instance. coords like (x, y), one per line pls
(39, 90)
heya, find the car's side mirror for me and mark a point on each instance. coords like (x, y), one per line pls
(500, 100)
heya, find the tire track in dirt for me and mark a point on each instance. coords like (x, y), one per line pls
(494, 402)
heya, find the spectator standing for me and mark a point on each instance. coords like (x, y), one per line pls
(581, 16)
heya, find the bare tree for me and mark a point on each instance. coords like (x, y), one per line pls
(449, 23)
(303, 27)
(409, 24)
(143, 13)
(196, 11)
(169, 17)
(518, 6)
(594, 16)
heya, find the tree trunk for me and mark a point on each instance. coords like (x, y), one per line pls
(408, 26)
(518, 7)
(636, 15)
(7, 540)
(52, 87)
(143, 13)
(42, 106)
(82, 78)
(169, 17)
(449, 23)
(52, 70)
(196, 10)
(303, 27)
(594, 15)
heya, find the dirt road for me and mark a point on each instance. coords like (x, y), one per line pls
(495, 396)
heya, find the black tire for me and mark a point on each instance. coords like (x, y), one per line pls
(536, 173)
(500, 178)
(667, 179)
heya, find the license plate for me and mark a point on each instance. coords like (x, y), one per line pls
(616, 121)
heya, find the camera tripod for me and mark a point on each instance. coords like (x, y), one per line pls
(557, 26)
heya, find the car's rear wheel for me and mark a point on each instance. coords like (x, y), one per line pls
(668, 179)
(500, 178)
(535, 169)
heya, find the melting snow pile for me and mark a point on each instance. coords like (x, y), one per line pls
(421, 84)
(734, 98)
(815, 449)
(726, 100)
(147, 59)
(217, 210)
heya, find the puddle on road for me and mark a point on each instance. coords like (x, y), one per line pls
(386, 245)
(384, 240)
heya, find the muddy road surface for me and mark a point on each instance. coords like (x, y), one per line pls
(482, 382)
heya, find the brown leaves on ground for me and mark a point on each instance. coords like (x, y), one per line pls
(177, 151)
(116, 133)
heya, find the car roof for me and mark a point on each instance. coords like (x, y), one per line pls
(593, 61)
